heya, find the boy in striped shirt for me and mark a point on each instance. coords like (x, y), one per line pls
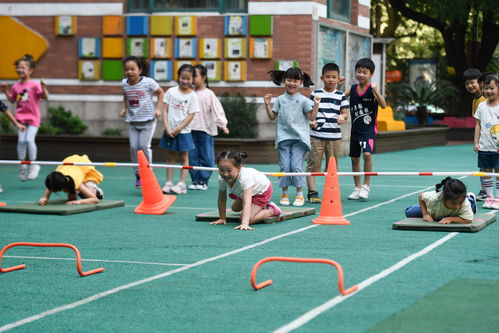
(325, 132)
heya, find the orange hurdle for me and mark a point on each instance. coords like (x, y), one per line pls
(74, 248)
(304, 260)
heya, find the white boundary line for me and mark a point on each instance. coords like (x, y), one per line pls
(100, 260)
(178, 270)
(308, 316)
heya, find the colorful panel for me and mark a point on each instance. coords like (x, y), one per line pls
(137, 25)
(185, 48)
(112, 70)
(261, 48)
(210, 48)
(161, 25)
(235, 48)
(112, 47)
(89, 47)
(185, 25)
(214, 69)
(112, 25)
(236, 25)
(261, 25)
(235, 71)
(161, 70)
(161, 48)
(65, 25)
(88, 70)
(138, 47)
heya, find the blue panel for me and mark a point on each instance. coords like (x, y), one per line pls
(89, 47)
(161, 70)
(181, 54)
(239, 27)
(137, 25)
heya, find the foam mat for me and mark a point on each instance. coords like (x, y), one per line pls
(287, 214)
(480, 221)
(59, 207)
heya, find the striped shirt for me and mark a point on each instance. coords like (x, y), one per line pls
(139, 102)
(327, 118)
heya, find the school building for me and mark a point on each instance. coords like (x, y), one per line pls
(80, 46)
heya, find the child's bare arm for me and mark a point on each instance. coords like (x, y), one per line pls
(476, 138)
(246, 213)
(17, 124)
(6, 89)
(342, 118)
(377, 94)
(45, 198)
(159, 105)
(222, 206)
(45, 91)
(453, 219)
(312, 115)
(271, 114)
(424, 210)
(123, 107)
(89, 197)
(184, 123)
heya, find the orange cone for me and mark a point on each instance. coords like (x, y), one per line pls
(3, 204)
(331, 201)
(154, 201)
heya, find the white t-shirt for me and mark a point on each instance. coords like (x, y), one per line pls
(437, 210)
(489, 126)
(179, 107)
(247, 178)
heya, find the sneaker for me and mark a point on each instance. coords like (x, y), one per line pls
(99, 193)
(488, 203)
(482, 196)
(275, 208)
(23, 172)
(284, 200)
(180, 188)
(193, 186)
(495, 204)
(472, 199)
(167, 189)
(355, 194)
(313, 197)
(1, 189)
(364, 192)
(299, 201)
(202, 187)
(33, 172)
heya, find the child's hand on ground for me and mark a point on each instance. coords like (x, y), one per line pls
(267, 98)
(243, 227)
(73, 202)
(219, 221)
(43, 201)
(445, 220)
(428, 218)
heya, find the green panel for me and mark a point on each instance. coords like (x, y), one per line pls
(261, 25)
(138, 47)
(287, 214)
(480, 221)
(460, 306)
(112, 70)
(59, 207)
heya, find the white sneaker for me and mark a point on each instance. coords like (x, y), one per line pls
(23, 172)
(488, 203)
(1, 189)
(202, 187)
(193, 187)
(495, 204)
(180, 188)
(167, 189)
(364, 192)
(34, 170)
(355, 194)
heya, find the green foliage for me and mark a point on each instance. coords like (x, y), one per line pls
(112, 132)
(5, 124)
(241, 116)
(61, 121)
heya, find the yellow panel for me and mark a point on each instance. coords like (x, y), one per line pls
(112, 25)
(65, 25)
(19, 40)
(161, 25)
(161, 48)
(185, 25)
(112, 47)
(235, 70)
(88, 70)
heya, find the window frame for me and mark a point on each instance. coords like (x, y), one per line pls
(222, 8)
(339, 17)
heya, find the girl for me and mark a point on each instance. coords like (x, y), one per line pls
(138, 108)
(449, 203)
(27, 94)
(74, 179)
(293, 111)
(204, 128)
(487, 138)
(250, 189)
(181, 104)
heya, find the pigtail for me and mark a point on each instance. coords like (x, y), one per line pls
(70, 185)
(440, 186)
(307, 81)
(243, 155)
(277, 76)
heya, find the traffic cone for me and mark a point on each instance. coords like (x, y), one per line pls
(154, 201)
(331, 200)
(3, 204)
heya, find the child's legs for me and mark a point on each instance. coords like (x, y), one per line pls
(487, 162)
(314, 162)
(194, 157)
(333, 149)
(258, 213)
(298, 151)
(184, 159)
(356, 168)
(21, 145)
(26, 146)
(413, 211)
(206, 155)
(355, 150)
(368, 166)
(237, 205)
(284, 151)
(133, 135)
(170, 159)
(146, 132)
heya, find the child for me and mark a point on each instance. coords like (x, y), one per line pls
(470, 77)
(364, 99)
(293, 111)
(325, 132)
(74, 179)
(449, 203)
(20, 127)
(27, 94)
(203, 129)
(250, 189)
(181, 104)
(138, 109)
(487, 138)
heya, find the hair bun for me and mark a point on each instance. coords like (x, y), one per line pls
(243, 155)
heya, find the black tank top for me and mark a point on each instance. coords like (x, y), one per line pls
(364, 112)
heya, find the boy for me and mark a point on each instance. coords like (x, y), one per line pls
(471, 84)
(325, 132)
(364, 99)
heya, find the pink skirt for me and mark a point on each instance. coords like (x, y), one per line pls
(261, 200)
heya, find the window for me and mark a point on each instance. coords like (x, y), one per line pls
(222, 6)
(339, 9)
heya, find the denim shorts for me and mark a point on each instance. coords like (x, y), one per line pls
(182, 142)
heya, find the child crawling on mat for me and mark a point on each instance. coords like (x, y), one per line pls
(74, 179)
(449, 203)
(249, 189)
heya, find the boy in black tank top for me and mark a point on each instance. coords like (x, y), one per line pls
(364, 99)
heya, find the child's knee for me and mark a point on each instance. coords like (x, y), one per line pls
(367, 156)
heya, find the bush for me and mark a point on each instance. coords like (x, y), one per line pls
(112, 132)
(61, 121)
(241, 116)
(5, 124)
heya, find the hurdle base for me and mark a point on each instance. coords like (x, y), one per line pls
(158, 208)
(331, 220)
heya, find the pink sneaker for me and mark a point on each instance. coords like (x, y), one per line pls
(488, 203)
(275, 208)
(495, 204)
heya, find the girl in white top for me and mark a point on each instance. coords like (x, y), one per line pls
(250, 189)
(449, 203)
(181, 104)
(138, 108)
(204, 129)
